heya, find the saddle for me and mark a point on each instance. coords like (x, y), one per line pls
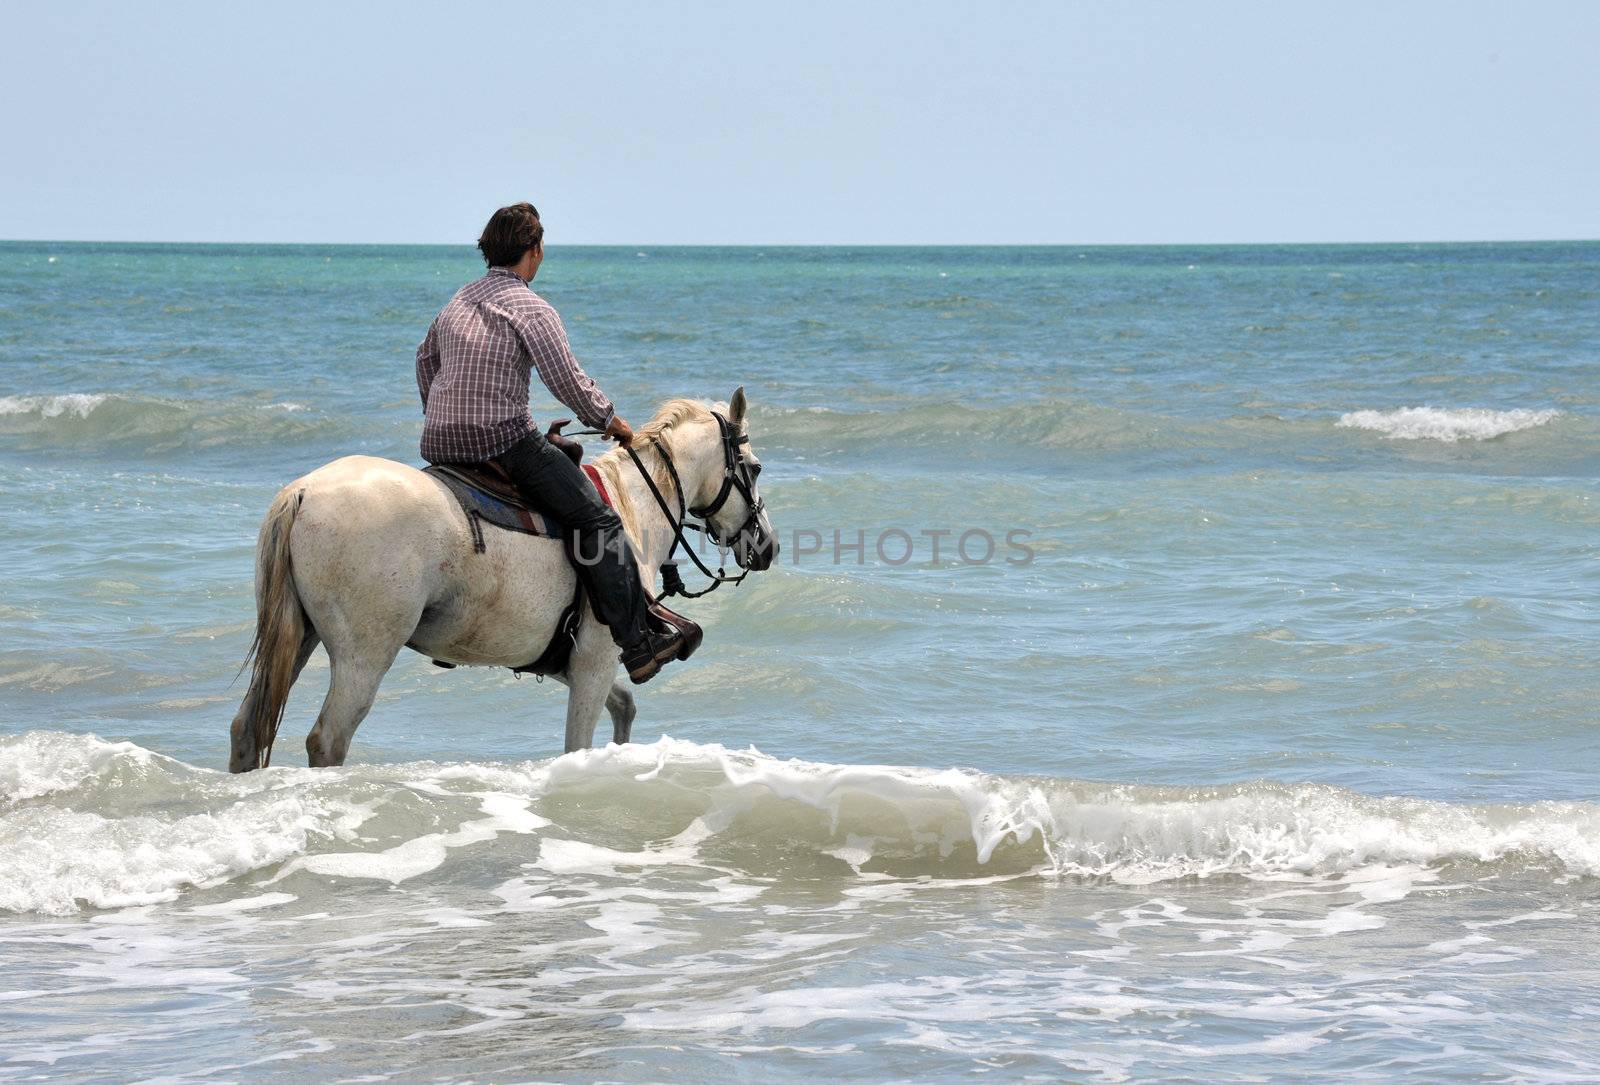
(488, 495)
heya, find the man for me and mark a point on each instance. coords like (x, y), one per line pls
(473, 370)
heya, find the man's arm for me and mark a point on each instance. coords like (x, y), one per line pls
(546, 342)
(428, 362)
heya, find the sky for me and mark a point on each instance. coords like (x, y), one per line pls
(817, 123)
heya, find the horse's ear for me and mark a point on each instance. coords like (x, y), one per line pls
(736, 406)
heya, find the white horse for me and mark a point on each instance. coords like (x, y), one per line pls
(367, 556)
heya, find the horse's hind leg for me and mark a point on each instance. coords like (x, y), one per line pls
(620, 704)
(352, 684)
(242, 733)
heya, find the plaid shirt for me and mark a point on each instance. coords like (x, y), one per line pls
(473, 369)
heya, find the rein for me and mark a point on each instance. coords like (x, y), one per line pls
(732, 479)
(672, 584)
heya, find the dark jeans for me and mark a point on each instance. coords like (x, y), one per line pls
(557, 486)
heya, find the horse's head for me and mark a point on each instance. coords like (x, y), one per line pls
(733, 511)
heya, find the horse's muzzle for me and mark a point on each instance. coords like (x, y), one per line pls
(759, 553)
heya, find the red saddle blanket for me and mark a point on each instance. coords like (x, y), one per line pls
(597, 482)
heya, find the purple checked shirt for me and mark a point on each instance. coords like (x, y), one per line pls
(474, 365)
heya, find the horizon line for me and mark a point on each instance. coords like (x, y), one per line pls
(822, 245)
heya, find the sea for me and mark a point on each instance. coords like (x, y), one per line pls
(1180, 666)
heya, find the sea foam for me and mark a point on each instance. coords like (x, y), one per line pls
(1439, 424)
(85, 822)
(77, 404)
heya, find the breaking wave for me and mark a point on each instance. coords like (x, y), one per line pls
(157, 426)
(1436, 424)
(1062, 428)
(1085, 429)
(76, 404)
(90, 823)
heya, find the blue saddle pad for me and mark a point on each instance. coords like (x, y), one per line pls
(484, 507)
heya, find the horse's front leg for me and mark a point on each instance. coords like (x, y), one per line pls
(590, 673)
(621, 705)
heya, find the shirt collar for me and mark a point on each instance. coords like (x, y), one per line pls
(507, 272)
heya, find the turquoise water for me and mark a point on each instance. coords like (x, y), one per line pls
(1273, 745)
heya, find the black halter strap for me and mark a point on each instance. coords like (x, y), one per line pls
(737, 475)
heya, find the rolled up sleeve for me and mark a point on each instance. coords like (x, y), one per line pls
(545, 340)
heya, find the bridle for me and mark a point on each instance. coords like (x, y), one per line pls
(739, 474)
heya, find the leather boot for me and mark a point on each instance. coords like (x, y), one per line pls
(645, 657)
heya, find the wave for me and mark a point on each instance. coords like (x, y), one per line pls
(1085, 429)
(159, 426)
(77, 404)
(1438, 424)
(90, 823)
(982, 429)
(156, 425)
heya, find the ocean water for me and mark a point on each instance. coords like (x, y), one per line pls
(1263, 745)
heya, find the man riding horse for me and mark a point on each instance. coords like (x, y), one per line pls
(473, 371)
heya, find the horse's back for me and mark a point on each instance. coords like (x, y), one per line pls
(369, 481)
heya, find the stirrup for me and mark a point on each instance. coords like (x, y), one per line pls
(676, 623)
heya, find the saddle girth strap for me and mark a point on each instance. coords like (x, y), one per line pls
(556, 654)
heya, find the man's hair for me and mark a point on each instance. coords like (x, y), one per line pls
(511, 232)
